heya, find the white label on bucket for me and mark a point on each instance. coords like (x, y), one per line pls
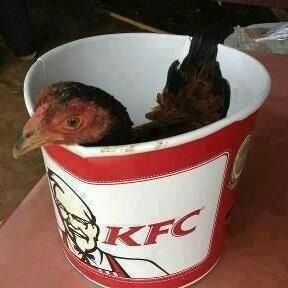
(144, 229)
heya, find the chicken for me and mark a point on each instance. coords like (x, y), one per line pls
(195, 95)
(74, 113)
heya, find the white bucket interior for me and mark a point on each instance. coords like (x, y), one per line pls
(133, 68)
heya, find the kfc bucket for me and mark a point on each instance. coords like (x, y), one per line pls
(152, 214)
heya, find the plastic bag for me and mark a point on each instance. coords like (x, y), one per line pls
(266, 37)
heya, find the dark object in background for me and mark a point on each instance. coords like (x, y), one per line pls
(16, 28)
(186, 17)
(269, 3)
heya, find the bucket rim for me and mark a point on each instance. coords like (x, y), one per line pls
(169, 142)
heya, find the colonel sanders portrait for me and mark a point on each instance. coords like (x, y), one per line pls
(79, 231)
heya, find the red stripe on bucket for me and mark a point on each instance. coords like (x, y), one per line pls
(152, 164)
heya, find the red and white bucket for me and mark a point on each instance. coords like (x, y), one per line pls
(154, 214)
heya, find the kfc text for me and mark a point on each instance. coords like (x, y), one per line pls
(173, 227)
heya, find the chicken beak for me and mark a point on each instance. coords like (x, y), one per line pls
(27, 143)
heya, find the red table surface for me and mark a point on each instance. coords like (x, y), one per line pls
(256, 253)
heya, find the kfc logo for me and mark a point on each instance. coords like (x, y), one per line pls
(133, 229)
(173, 226)
(80, 232)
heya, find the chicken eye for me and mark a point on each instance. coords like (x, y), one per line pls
(72, 123)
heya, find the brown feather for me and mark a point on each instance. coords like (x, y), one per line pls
(195, 94)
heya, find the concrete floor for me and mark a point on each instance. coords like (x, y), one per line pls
(54, 25)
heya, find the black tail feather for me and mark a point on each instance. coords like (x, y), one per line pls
(222, 88)
(202, 53)
(201, 61)
(175, 81)
(226, 94)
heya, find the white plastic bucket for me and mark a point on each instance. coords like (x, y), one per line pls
(151, 214)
